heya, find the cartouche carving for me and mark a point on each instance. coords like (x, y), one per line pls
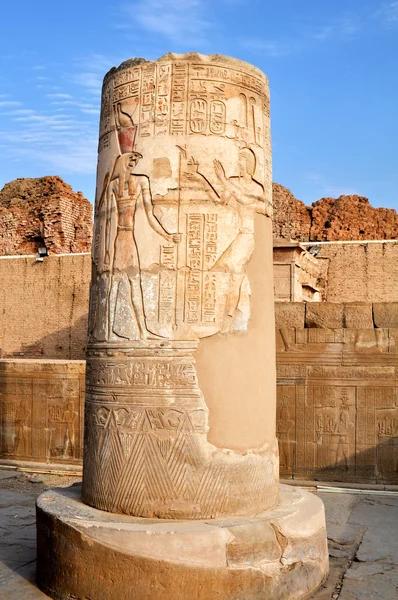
(184, 168)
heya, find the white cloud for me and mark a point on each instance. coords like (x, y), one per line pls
(339, 28)
(8, 103)
(62, 140)
(177, 20)
(90, 72)
(60, 95)
(270, 48)
(388, 13)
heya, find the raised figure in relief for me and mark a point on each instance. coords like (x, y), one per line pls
(124, 189)
(246, 195)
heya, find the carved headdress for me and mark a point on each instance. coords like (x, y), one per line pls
(126, 129)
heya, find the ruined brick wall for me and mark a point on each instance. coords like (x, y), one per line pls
(292, 219)
(44, 306)
(43, 212)
(331, 219)
(365, 271)
(337, 410)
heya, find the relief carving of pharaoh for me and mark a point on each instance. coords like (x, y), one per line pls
(183, 172)
(174, 216)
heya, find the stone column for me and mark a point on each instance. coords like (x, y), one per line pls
(180, 445)
(180, 404)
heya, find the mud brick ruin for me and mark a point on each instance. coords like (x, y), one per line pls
(43, 213)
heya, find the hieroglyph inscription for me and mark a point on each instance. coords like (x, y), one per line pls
(183, 173)
(182, 98)
(41, 417)
(174, 233)
(338, 422)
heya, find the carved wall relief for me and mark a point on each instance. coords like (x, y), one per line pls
(176, 289)
(345, 417)
(182, 175)
(146, 426)
(41, 411)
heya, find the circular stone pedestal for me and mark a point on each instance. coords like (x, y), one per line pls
(86, 553)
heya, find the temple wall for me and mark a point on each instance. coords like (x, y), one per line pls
(337, 415)
(366, 271)
(337, 412)
(41, 411)
(43, 306)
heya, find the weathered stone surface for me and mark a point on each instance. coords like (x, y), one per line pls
(281, 554)
(324, 315)
(41, 411)
(44, 307)
(330, 392)
(289, 314)
(296, 273)
(358, 316)
(43, 212)
(365, 272)
(385, 315)
(174, 280)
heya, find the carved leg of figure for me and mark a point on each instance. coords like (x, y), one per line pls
(138, 305)
(65, 451)
(285, 339)
(115, 280)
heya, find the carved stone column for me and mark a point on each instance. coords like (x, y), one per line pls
(184, 179)
(180, 445)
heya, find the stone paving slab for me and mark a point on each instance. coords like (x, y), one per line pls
(363, 547)
(362, 533)
(4, 474)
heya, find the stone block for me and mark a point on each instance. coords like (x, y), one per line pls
(358, 315)
(47, 396)
(385, 314)
(290, 315)
(281, 553)
(324, 315)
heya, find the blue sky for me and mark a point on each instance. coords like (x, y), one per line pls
(332, 66)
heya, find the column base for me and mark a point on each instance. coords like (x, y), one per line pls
(85, 553)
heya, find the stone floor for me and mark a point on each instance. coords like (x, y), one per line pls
(362, 532)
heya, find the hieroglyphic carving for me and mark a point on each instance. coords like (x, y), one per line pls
(148, 100)
(179, 98)
(335, 428)
(41, 411)
(147, 423)
(125, 189)
(148, 373)
(63, 427)
(175, 236)
(285, 429)
(346, 417)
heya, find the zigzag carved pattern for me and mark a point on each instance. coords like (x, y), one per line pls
(155, 471)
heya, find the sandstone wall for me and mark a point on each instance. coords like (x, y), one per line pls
(364, 271)
(43, 212)
(41, 411)
(43, 306)
(337, 411)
